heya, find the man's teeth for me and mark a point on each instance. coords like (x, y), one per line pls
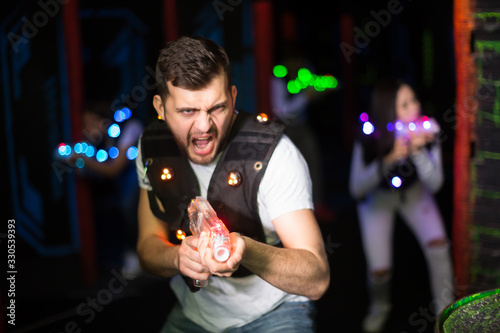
(201, 143)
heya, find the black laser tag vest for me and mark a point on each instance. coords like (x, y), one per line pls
(250, 146)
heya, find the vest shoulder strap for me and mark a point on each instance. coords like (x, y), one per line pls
(247, 154)
(170, 174)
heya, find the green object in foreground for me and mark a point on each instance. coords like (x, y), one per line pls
(475, 313)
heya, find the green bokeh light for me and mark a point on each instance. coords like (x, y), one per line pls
(304, 74)
(300, 83)
(306, 79)
(292, 87)
(280, 71)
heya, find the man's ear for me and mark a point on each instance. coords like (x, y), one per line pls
(158, 105)
(234, 92)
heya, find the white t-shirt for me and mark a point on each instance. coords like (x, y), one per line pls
(231, 302)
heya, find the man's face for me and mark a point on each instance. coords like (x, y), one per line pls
(199, 120)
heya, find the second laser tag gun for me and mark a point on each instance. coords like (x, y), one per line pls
(422, 124)
(202, 217)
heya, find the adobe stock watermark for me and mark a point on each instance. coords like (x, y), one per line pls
(92, 305)
(222, 6)
(330, 246)
(31, 26)
(138, 93)
(372, 29)
(89, 308)
(483, 92)
(426, 316)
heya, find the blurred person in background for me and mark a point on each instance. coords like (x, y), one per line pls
(395, 169)
(113, 183)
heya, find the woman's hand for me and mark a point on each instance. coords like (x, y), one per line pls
(399, 151)
(418, 139)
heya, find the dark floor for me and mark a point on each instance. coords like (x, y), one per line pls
(51, 296)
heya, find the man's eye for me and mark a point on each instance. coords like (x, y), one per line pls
(219, 108)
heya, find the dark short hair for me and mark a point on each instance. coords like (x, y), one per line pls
(190, 63)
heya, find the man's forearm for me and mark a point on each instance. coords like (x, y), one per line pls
(158, 256)
(295, 271)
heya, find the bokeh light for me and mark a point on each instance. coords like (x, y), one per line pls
(396, 182)
(368, 128)
(114, 131)
(132, 153)
(280, 71)
(80, 163)
(101, 155)
(113, 152)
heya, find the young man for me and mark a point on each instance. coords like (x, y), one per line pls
(278, 262)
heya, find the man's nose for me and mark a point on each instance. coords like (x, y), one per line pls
(203, 121)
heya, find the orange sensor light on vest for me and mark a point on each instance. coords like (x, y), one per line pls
(180, 234)
(234, 178)
(262, 118)
(167, 174)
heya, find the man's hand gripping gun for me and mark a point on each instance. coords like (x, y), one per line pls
(202, 218)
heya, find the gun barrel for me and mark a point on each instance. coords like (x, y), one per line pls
(203, 218)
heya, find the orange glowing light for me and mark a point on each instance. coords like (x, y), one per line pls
(167, 174)
(180, 234)
(234, 178)
(262, 118)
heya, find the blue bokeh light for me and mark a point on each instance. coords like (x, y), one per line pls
(61, 149)
(122, 114)
(119, 116)
(132, 153)
(114, 131)
(80, 163)
(78, 148)
(127, 113)
(90, 151)
(85, 146)
(101, 155)
(113, 152)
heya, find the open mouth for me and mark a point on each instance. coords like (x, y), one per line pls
(203, 145)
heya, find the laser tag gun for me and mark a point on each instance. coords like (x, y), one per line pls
(422, 124)
(202, 217)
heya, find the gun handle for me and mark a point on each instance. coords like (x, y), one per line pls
(194, 285)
